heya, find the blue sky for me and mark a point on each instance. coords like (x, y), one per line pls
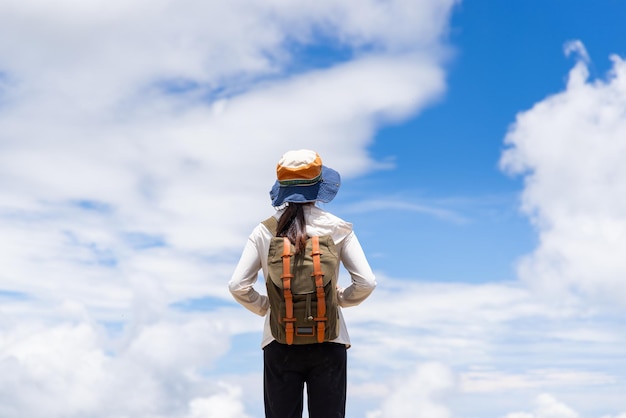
(506, 56)
(480, 146)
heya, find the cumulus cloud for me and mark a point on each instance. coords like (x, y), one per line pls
(74, 368)
(569, 149)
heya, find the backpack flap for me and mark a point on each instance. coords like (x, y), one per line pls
(302, 264)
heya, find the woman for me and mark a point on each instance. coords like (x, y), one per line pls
(301, 181)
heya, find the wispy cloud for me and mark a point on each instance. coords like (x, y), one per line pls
(394, 204)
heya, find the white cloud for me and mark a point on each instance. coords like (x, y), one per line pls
(75, 369)
(477, 381)
(96, 54)
(547, 407)
(128, 132)
(569, 149)
(226, 404)
(578, 48)
(79, 176)
(135, 136)
(501, 342)
(94, 152)
(396, 204)
(418, 395)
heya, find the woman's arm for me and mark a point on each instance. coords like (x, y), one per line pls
(241, 284)
(363, 280)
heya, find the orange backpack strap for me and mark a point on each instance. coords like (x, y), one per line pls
(286, 277)
(318, 274)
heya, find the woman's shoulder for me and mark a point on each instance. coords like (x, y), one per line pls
(322, 222)
(265, 229)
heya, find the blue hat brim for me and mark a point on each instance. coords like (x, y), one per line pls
(322, 191)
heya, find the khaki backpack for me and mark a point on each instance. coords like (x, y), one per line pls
(302, 289)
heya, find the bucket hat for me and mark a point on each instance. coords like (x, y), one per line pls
(302, 178)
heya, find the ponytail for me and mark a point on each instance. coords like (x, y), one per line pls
(293, 225)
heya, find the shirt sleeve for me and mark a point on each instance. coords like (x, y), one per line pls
(363, 280)
(241, 284)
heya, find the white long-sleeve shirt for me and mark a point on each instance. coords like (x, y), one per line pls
(318, 222)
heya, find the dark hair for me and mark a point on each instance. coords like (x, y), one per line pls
(293, 225)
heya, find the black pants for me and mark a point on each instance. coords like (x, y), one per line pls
(286, 368)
